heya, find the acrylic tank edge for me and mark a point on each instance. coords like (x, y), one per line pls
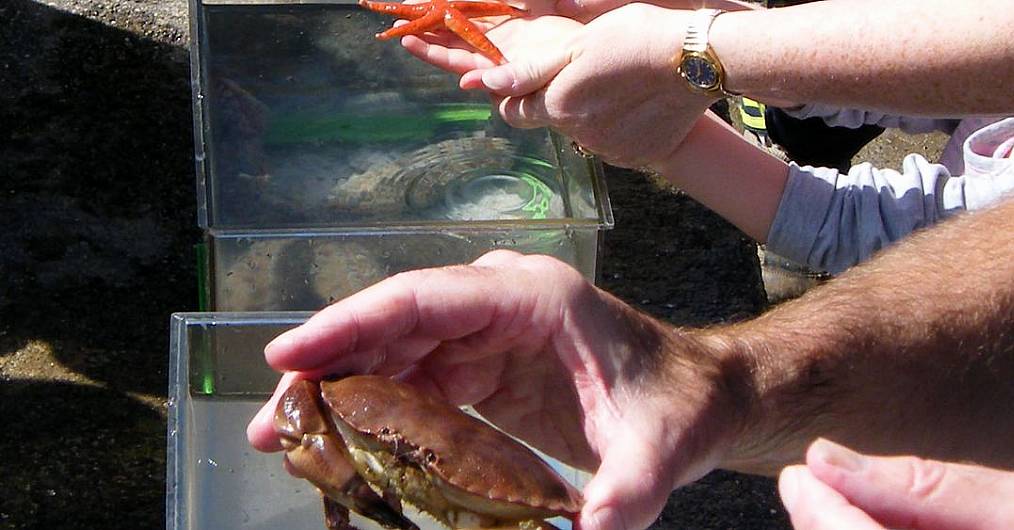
(174, 422)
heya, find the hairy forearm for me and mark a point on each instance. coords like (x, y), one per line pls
(720, 169)
(912, 352)
(914, 57)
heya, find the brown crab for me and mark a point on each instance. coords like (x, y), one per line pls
(353, 436)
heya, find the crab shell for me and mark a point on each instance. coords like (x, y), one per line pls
(410, 446)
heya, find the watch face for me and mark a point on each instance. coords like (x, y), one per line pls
(700, 72)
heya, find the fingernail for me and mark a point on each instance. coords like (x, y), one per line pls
(788, 486)
(278, 342)
(604, 519)
(254, 429)
(498, 79)
(837, 456)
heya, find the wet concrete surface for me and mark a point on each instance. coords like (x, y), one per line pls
(98, 219)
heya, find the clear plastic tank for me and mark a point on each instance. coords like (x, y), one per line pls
(316, 142)
(218, 381)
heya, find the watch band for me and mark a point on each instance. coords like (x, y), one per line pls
(696, 39)
(696, 43)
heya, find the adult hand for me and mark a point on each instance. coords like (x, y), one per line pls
(588, 9)
(516, 38)
(839, 488)
(609, 85)
(544, 355)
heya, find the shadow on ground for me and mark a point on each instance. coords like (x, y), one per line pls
(98, 214)
(68, 466)
(98, 193)
(97, 210)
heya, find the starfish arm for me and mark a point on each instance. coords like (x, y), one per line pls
(398, 9)
(471, 34)
(429, 22)
(472, 8)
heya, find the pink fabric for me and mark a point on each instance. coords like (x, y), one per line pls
(1005, 149)
(953, 157)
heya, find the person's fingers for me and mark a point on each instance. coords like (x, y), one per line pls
(440, 37)
(380, 314)
(526, 112)
(445, 53)
(464, 383)
(496, 258)
(472, 80)
(397, 356)
(629, 488)
(260, 432)
(526, 74)
(438, 304)
(909, 492)
(586, 9)
(813, 505)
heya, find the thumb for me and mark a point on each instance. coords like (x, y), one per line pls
(525, 75)
(813, 505)
(909, 492)
(629, 489)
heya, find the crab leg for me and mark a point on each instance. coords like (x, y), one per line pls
(471, 34)
(527, 524)
(336, 516)
(316, 454)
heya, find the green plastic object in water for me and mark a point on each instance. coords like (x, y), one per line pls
(375, 126)
(541, 196)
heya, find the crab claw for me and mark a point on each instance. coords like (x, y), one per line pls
(315, 452)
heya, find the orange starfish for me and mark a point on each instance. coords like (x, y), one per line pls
(451, 14)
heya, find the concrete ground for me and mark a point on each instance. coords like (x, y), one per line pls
(98, 214)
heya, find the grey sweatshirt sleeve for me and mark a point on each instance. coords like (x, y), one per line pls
(831, 221)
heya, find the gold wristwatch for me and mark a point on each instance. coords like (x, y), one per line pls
(697, 62)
